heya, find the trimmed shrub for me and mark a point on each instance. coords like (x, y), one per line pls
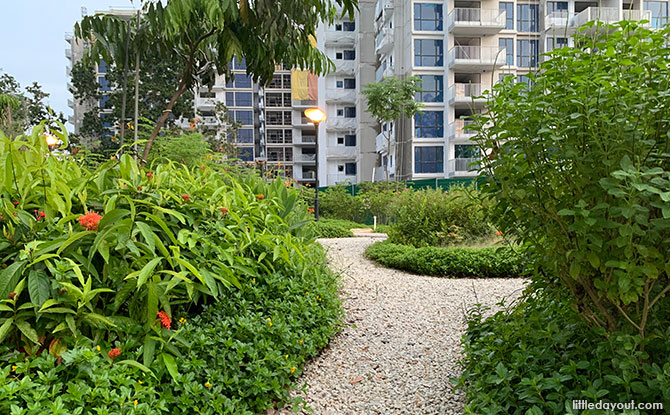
(500, 262)
(337, 203)
(331, 228)
(539, 356)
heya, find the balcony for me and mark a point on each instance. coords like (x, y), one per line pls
(463, 166)
(473, 21)
(638, 15)
(302, 122)
(341, 153)
(465, 95)
(381, 145)
(457, 130)
(340, 96)
(561, 22)
(341, 124)
(70, 103)
(68, 70)
(68, 53)
(343, 67)
(384, 41)
(305, 140)
(385, 7)
(340, 178)
(307, 176)
(600, 14)
(340, 38)
(202, 103)
(468, 58)
(305, 159)
(304, 103)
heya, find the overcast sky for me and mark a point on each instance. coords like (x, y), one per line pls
(32, 42)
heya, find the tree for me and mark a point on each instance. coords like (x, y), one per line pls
(389, 100)
(205, 35)
(579, 169)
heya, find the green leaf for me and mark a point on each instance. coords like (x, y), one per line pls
(170, 365)
(136, 364)
(39, 287)
(27, 331)
(146, 271)
(5, 329)
(9, 277)
(72, 239)
(147, 234)
(148, 350)
(152, 304)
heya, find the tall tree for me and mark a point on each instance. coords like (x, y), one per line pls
(204, 35)
(22, 110)
(389, 100)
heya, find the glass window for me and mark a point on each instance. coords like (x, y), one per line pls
(245, 135)
(556, 43)
(527, 16)
(243, 99)
(350, 140)
(247, 153)
(527, 51)
(245, 117)
(274, 99)
(350, 169)
(350, 83)
(508, 8)
(340, 112)
(508, 44)
(659, 12)
(275, 136)
(104, 83)
(230, 99)
(241, 81)
(207, 94)
(557, 6)
(523, 79)
(428, 52)
(427, 16)
(466, 151)
(348, 26)
(102, 66)
(339, 84)
(429, 159)
(103, 101)
(433, 88)
(338, 27)
(349, 55)
(350, 112)
(429, 124)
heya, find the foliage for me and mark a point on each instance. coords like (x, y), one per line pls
(96, 254)
(494, 262)
(539, 355)
(437, 218)
(188, 149)
(27, 108)
(330, 228)
(338, 203)
(579, 169)
(204, 35)
(389, 100)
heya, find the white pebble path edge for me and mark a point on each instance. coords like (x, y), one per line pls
(401, 340)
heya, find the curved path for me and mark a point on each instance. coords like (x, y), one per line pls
(401, 339)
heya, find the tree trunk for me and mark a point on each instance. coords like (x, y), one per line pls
(124, 92)
(388, 156)
(162, 119)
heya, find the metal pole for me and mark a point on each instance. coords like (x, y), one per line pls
(137, 88)
(125, 88)
(316, 187)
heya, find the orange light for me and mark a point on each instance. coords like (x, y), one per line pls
(51, 140)
(315, 115)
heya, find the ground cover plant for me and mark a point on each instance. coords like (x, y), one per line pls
(455, 262)
(105, 273)
(331, 228)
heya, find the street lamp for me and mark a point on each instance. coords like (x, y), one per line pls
(316, 116)
(51, 140)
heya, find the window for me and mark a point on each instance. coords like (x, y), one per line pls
(508, 44)
(556, 43)
(466, 151)
(103, 101)
(339, 84)
(557, 6)
(245, 117)
(245, 135)
(286, 80)
(340, 141)
(102, 66)
(427, 16)
(207, 94)
(428, 52)
(350, 169)
(527, 51)
(433, 88)
(239, 81)
(349, 55)
(338, 27)
(350, 83)
(275, 83)
(340, 168)
(274, 99)
(340, 112)
(247, 153)
(429, 124)
(659, 13)
(275, 136)
(429, 159)
(349, 112)
(348, 26)
(508, 8)
(278, 117)
(350, 140)
(104, 83)
(242, 65)
(523, 79)
(527, 16)
(243, 99)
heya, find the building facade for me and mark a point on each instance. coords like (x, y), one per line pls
(459, 49)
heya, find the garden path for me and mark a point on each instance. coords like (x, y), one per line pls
(401, 340)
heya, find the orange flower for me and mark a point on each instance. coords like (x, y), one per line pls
(186, 197)
(149, 175)
(224, 211)
(114, 353)
(165, 320)
(90, 221)
(498, 233)
(260, 196)
(310, 210)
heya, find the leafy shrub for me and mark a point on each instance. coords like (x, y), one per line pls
(436, 218)
(500, 262)
(337, 203)
(331, 228)
(582, 175)
(189, 149)
(538, 356)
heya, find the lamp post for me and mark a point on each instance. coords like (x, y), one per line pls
(316, 116)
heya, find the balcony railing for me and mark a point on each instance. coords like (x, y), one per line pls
(341, 95)
(461, 92)
(476, 56)
(601, 14)
(560, 19)
(476, 18)
(457, 128)
(306, 139)
(344, 67)
(462, 165)
(307, 157)
(384, 40)
(340, 38)
(638, 15)
(341, 123)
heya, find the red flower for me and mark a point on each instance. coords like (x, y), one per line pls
(114, 353)
(498, 233)
(90, 221)
(165, 319)
(224, 211)
(12, 295)
(260, 196)
(139, 188)
(149, 175)
(16, 203)
(186, 197)
(310, 210)
(39, 215)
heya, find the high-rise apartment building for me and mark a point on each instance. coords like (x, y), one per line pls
(461, 48)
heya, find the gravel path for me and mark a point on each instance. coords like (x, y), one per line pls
(401, 341)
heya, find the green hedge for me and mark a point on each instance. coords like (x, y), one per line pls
(538, 356)
(331, 228)
(501, 262)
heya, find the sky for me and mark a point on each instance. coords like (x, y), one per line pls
(32, 42)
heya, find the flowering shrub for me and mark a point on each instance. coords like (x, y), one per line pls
(500, 262)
